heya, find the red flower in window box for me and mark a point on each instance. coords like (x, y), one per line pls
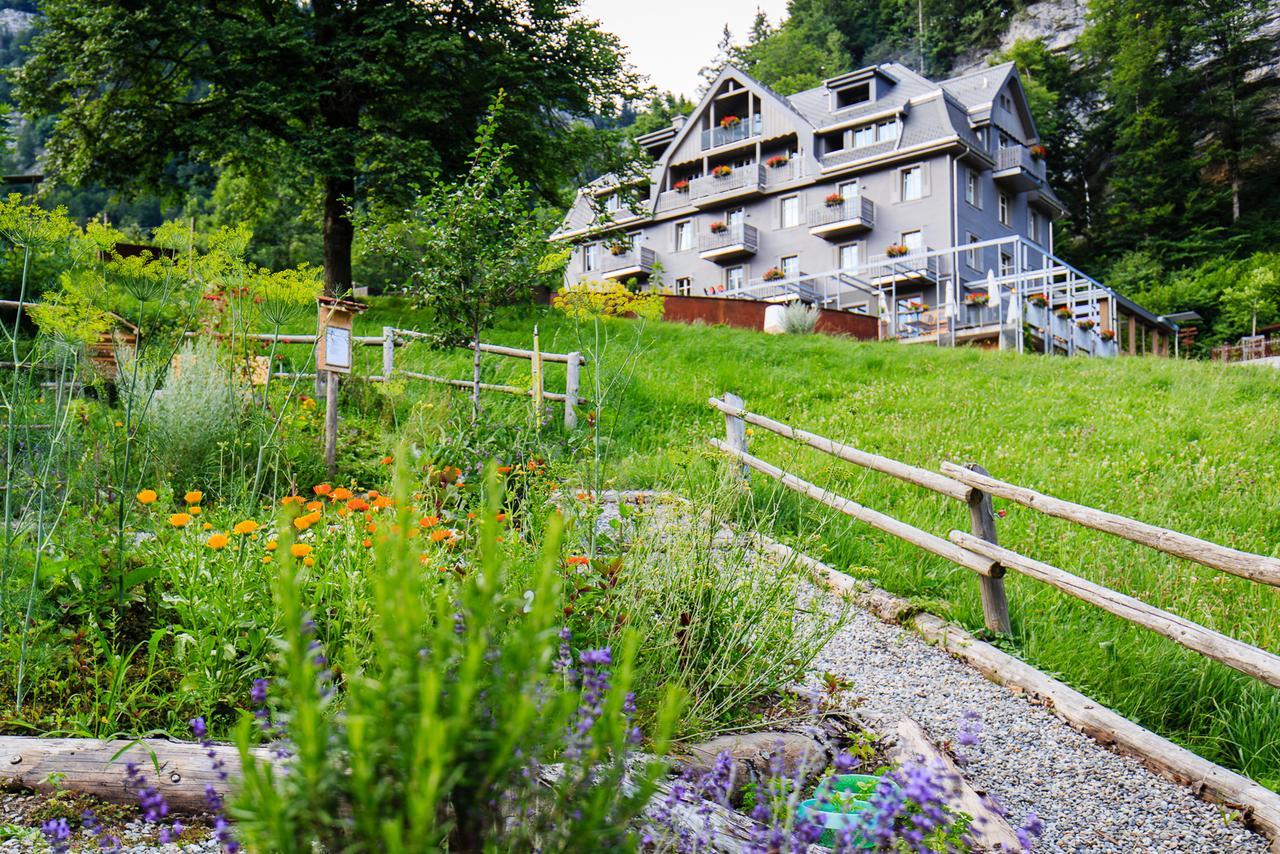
(1062, 311)
(681, 186)
(718, 227)
(773, 274)
(896, 250)
(1086, 324)
(730, 122)
(1107, 335)
(722, 171)
(834, 200)
(978, 298)
(1038, 300)
(778, 160)
(1038, 151)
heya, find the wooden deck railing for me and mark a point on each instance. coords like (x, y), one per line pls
(979, 550)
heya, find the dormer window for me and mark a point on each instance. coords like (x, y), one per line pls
(852, 96)
(613, 203)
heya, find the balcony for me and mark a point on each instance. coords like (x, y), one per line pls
(1018, 170)
(627, 262)
(718, 136)
(736, 241)
(850, 216)
(789, 171)
(741, 182)
(916, 265)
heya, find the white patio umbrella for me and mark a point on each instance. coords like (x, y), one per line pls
(993, 293)
(883, 304)
(1015, 308)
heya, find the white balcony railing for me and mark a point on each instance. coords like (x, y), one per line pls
(742, 235)
(1019, 157)
(857, 207)
(744, 129)
(749, 178)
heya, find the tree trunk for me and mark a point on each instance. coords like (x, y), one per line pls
(338, 234)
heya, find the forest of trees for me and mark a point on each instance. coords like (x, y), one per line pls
(1162, 136)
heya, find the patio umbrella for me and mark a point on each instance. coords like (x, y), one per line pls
(1015, 308)
(993, 292)
(883, 305)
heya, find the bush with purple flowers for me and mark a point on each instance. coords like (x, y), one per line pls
(474, 721)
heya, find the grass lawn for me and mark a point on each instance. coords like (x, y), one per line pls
(1187, 445)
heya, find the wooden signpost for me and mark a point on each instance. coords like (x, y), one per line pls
(334, 357)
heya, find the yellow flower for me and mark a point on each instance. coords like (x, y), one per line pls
(300, 549)
(266, 558)
(195, 496)
(217, 541)
(207, 526)
(148, 496)
(179, 520)
(248, 526)
(194, 510)
(308, 561)
(271, 545)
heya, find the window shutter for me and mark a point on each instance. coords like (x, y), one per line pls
(896, 194)
(924, 180)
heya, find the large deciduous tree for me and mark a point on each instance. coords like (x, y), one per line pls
(363, 97)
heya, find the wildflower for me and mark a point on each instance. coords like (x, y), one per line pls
(429, 521)
(179, 520)
(577, 560)
(341, 494)
(314, 506)
(582, 496)
(439, 534)
(194, 510)
(322, 489)
(248, 526)
(304, 522)
(147, 496)
(1030, 830)
(386, 461)
(382, 502)
(367, 543)
(106, 842)
(501, 517)
(217, 542)
(344, 511)
(272, 545)
(266, 559)
(300, 549)
(357, 505)
(207, 526)
(195, 496)
(504, 469)
(292, 499)
(57, 833)
(308, 561)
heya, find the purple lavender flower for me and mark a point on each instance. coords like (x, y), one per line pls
(846, 762)
(258, 694)
(1031, 829)
(57, 833)
(221, 825)
(595, 684)
(564, 663)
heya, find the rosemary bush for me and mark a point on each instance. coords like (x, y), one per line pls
(799, 318)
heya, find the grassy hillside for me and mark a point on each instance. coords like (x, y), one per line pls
(1191, 446)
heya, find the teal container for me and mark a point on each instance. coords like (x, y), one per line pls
(859, 787)
(838, 804)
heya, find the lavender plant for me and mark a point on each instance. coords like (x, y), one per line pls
(471, 724)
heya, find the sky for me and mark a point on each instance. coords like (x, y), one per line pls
(669, 40)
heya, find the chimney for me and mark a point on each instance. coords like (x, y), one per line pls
(678, 122)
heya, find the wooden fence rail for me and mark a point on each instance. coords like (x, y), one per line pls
(979, 551)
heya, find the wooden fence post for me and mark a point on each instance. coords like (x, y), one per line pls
(535, 370)
(331, 422)
(571, 382)
(388, 352)
(982, 521)
(735, 431)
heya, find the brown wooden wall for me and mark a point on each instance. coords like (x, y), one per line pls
(749, 314)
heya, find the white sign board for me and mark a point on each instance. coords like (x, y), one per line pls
(337, 348)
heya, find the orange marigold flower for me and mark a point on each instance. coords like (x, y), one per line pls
(358, 505)
(504, 469)
(373, 493)
(194, 510)
(272, 545)
(308, 561)
(322, 489)
(341, 494)
(439, 534)
(306, 521)
(248, 526)
(207, 526)
(179, 520)
(429, 521)
(366, 542)
(292, 499)
(371, 527)
(217, 541)
(300, 549)
(382, 502)
(501, 517)
(195, 496)
(577, 560)
(387, 460)
(315, 506)
(344, 511)
(147, 496)
(471, 515)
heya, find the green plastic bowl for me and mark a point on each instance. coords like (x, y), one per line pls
(832, 821)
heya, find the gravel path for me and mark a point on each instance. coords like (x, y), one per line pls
(1089, 798)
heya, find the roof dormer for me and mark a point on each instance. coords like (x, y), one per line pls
(858, 88)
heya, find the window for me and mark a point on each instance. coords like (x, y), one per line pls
(735, 278)
(790, 265)
(1035, 226)
(832, 142)
(848, 190)
(972, 188)
(591, 257)
(789, 212)
(982, 138)
(684, 286)
(913, 240)
(886, 131)
(849, 256)
(684, 235)
(873, 133)
(911, 183)
(853, 95)
(613, 202)
(734, 217)
(1006, 264)
(1006, 103)
(1004, 209)
(973, 257)
(864, 136)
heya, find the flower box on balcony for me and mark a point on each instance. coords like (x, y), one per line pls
(722, 171)
(773, 274)
(896, 250)
(777, 161)
(916, 306)
(977, 299)
(834, 200)
(1063, 312)
(1038, 300)
(618, 248)
(1039, 152)
(730, 122)
(1086, 324)
(1107, 335)
(718, 227)
(681, 186)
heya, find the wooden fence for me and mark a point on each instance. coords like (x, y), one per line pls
(978, 549)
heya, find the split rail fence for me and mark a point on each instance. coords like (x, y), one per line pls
(979, 551)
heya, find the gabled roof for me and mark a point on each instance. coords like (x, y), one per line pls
(815, 104)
